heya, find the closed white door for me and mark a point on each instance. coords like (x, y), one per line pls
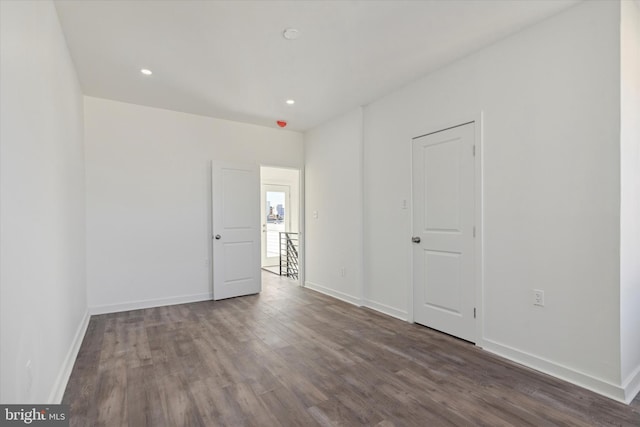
(236, 230)
(443, 231)
(275, 219)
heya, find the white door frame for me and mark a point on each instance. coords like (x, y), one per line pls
(301, 224)
(478, 216)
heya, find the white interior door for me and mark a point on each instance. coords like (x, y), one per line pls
(236, 230)
(275, 219)
(443, 231)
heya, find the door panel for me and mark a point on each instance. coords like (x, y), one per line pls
(236, 230)
(443, 203)
(442, 281)
(236, 209)
(442, 186)
(236, 271)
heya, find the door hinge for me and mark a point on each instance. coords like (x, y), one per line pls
(474, 150)
(474, 312)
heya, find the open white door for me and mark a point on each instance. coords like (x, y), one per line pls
(443, 227)
(236, 230)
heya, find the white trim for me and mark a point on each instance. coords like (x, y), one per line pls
(210, 227)
(359, 230)
(564, 373)
(302, 225)
(59, 386)
(386, 309)
(409, 245)
(479, 222)
(156, 302)
(333, 293)
(631, 386)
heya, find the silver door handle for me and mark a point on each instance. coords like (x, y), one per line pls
(218, 237)
(415, 239)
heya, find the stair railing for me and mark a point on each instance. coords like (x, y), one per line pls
(289, 243)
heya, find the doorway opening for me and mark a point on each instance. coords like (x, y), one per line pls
(280, 220)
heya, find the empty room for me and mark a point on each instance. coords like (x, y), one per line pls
(308, 212)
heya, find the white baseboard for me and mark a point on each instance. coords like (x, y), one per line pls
(631, 386)
(158, 302)
(333, 293)
(59, 386)
(385, 309)
(382, 308)
(596, 385)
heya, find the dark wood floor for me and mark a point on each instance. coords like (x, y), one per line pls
(294, 357)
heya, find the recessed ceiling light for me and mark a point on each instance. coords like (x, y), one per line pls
(290, 101)
(290, 33)
(146, 72)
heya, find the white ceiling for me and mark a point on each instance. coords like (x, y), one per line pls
(228, 59)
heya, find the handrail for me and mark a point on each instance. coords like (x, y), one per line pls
(289, 242)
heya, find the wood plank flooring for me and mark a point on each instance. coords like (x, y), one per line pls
(294, 357)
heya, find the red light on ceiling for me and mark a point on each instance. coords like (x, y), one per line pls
(281, 123)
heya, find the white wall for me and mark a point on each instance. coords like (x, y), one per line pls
(42, 280)
(550, 99)
(148, 195)
(630, 193)
(333, 190)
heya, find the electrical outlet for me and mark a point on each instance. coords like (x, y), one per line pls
(538, 297)
(343, 272)
(315, 214)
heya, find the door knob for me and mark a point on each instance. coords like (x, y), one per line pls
(415, 239)
(218, 237)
